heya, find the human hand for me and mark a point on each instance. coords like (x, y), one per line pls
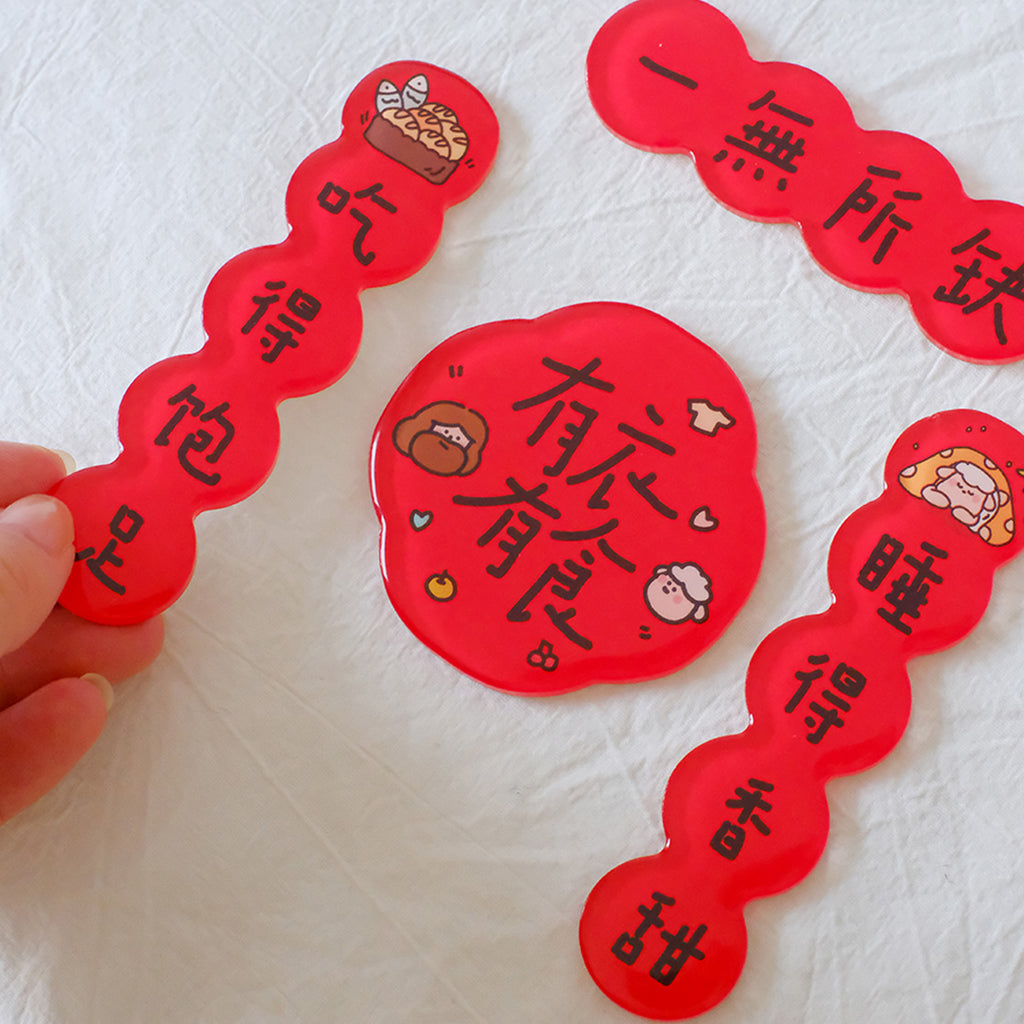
(54, 666)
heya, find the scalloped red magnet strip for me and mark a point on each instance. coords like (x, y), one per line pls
(200, 431)
(746, 815)
(879, 210)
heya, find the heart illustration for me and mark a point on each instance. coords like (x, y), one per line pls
(420, 520)
(702, 519)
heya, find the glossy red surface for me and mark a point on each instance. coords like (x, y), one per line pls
(879, 210)
(746, 815)
(200, 431)
(569, 500)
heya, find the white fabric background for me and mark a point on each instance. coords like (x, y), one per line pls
(301, 814)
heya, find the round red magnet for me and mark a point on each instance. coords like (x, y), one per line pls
(569, 500)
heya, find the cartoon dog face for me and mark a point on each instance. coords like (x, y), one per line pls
(444, 438)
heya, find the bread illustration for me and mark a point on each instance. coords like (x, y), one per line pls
(423, 135)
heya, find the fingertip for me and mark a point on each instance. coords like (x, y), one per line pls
(66, 645)
(37, 552)
(43, 520)
(154, 633)
(120, 651)
(62, 463)
(66, 458)
(106, 691)
(30, 469)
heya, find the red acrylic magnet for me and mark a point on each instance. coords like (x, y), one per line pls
(569, 500)
(746, 815)
(879, 210)
(200, 431)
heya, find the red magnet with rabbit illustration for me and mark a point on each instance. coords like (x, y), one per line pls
(879, 210)
(569, 500)
(200, 431)
(746, 815)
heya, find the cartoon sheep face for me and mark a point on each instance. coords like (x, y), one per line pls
(971, 495)
(678, 592)
(970, 487)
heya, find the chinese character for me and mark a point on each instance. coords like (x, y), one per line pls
(567, 404)
(909, 593)
(883, 557)
(199, 440)
(574, 430)
(729, 839)
(628, 947)
(846, 679)
(301, 305)
(678, 949)
(123, 529)
(515, 541)
(571, 439)
(333, 198)
(566, 582)
(806, 678)
(862, 201)
(517, 536)
(573, 376)
(1010, 285)
(640, 484)
(680, 945)
(673, 76)
(748, 802)
(775, 145)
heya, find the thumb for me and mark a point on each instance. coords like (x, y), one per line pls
(36, 555)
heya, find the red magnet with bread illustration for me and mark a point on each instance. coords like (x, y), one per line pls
(200, 431)
(879, 210)
(746, 815)
(569, 500)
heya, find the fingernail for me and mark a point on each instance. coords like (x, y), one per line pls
(69, 460)
(43, 520)
(101, 684)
